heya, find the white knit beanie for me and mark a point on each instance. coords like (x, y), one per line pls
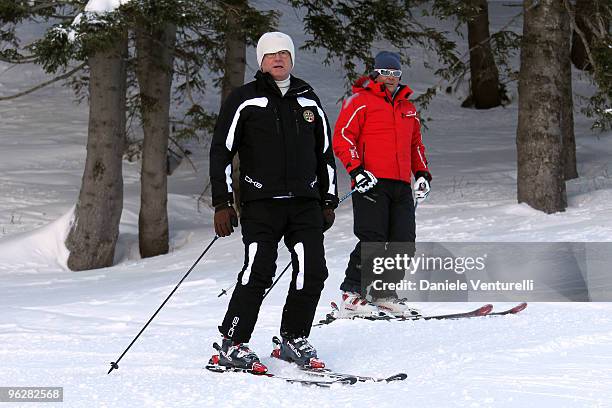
(273, 42)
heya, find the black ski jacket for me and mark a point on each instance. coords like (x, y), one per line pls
(284, 144)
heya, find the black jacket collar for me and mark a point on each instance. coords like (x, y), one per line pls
(297, 86)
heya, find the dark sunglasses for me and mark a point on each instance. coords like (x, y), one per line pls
(389, 72)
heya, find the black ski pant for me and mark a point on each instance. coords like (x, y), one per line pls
(383, 214)
(264, 223)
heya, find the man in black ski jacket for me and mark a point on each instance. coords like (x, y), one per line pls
(287, 189)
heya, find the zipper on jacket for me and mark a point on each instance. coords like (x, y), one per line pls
(397, 160)
(281, 136)
(297, 132)
(278, 126)
(297, 123)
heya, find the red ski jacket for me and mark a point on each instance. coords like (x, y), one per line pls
(380, 134)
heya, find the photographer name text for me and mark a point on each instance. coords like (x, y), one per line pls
(525, 285)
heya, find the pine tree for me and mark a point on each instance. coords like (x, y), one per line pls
(544, 51)
(154, 69)
(592, 51)
(95, 227)
(173, 40)
(346, 31)
(592, 18)
(235, 48)
(485, 89)
(570, 169)
(484, 80)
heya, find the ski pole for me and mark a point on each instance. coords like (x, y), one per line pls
(276, 280)
(224, 291)
(347, 195)
(115, 364)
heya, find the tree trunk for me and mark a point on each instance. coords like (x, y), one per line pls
(155, 58)
(590, 17)
(539, 140)
(235, 49)
(233, 76)
(570, 170)
(94, 232)
(484, 74)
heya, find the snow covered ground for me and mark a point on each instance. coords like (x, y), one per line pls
(59, 328)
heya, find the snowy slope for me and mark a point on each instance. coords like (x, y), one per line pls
(63, 328)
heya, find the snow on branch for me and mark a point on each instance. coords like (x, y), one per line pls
(92, 9)
(104, 6)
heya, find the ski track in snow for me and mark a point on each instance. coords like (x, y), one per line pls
(59, 328)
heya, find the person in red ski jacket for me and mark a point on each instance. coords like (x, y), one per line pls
(378, 139)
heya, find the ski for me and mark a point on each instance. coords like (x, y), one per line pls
(481, 311)
(484, 310)
(514, 310)
(331, 317)
(326, 372)
(344, 380)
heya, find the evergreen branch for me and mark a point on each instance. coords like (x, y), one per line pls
(185, 155)
(22, 60)
(188, 84)
(44, 84)
(63, 17)
(480, 44)
(53, 4)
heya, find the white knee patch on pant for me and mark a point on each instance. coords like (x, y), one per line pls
(247, 272)
(299, 251)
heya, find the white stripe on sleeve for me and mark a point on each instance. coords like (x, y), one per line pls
(228, 177)
(348, 124)
(331, 173)
(309, 102)
(261, 102)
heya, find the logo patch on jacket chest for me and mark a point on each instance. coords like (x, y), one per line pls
(309, 116)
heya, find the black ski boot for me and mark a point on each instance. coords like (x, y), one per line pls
(298, 351)
(235, 356)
